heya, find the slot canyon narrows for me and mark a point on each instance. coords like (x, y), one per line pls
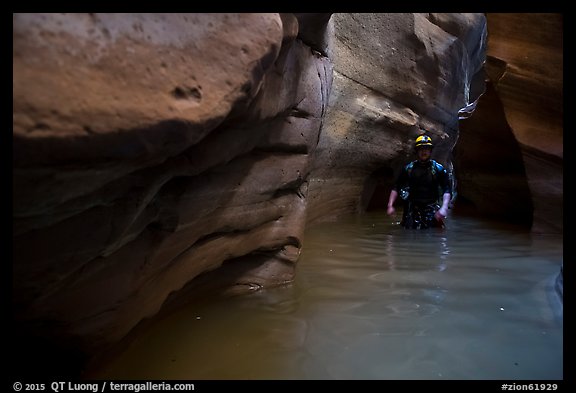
(162, 159)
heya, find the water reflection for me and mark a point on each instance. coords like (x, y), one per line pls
(375, 301)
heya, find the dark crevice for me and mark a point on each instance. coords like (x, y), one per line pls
(290, 188)
(41, 127)
(297, 112)
(88, 130)
(280, 149)
(215, 235)
(185, 93)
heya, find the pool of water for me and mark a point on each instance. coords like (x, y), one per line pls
(374, 301)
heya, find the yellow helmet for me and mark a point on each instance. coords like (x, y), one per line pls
(423, 140)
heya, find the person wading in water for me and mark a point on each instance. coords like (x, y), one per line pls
(425, 187)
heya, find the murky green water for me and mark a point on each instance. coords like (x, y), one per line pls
(374, 301)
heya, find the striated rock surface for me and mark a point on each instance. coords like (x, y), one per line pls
(525, 64)
(156, 155)
(394, 76)
(511, 150)
(151, 148)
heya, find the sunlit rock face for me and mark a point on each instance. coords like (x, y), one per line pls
(151, 148)
(525, 64)
(395, 75)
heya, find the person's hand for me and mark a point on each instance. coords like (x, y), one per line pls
(441, 214)
(390, 210)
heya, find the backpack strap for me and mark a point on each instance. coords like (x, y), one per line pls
(409, 167)
(435, 168)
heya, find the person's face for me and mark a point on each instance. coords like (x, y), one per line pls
(424, 153)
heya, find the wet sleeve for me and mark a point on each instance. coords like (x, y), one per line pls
(445, 182)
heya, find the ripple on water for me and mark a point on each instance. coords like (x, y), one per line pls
(374, 301)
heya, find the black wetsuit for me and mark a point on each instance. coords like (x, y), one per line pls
(421, 185)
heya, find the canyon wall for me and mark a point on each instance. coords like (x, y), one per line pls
(152, 148)
(521, 126)
(395, 76)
